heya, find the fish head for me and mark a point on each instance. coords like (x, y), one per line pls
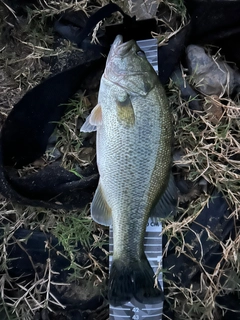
(128, 67)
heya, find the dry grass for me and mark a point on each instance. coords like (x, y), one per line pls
(209, 141)
(22, 69)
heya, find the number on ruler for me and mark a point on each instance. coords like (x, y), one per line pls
(135, 317)
(135, 309)
(153, 224)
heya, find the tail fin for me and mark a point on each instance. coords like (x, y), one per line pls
(133, 280)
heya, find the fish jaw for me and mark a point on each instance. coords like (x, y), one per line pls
(127, 60)
(120, 48)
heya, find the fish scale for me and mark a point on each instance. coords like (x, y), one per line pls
(134, 136)
(131, 154)
(136, 164)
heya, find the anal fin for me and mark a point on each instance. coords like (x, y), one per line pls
(100, 210)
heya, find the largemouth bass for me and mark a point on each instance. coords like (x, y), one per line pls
(134, 137)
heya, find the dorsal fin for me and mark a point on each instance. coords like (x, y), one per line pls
(168, 202)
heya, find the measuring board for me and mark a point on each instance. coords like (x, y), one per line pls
(152, 240)
(153, 251)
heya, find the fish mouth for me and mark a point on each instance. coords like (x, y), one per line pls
(119, 47)
(118, 41)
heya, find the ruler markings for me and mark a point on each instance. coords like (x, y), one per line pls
(152, 315)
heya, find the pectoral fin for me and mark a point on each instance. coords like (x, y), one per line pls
(96, 116)
(93, 120)
(100, 210)
(168, 202)
(125, 111)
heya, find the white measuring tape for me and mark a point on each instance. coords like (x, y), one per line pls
(152, 239)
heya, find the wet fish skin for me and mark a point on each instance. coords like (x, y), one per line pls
(134, 136)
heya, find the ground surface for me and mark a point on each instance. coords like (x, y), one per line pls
(27, 42)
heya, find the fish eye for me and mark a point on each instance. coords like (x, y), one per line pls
(140, 53)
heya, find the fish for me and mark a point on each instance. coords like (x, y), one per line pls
(134, 158)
